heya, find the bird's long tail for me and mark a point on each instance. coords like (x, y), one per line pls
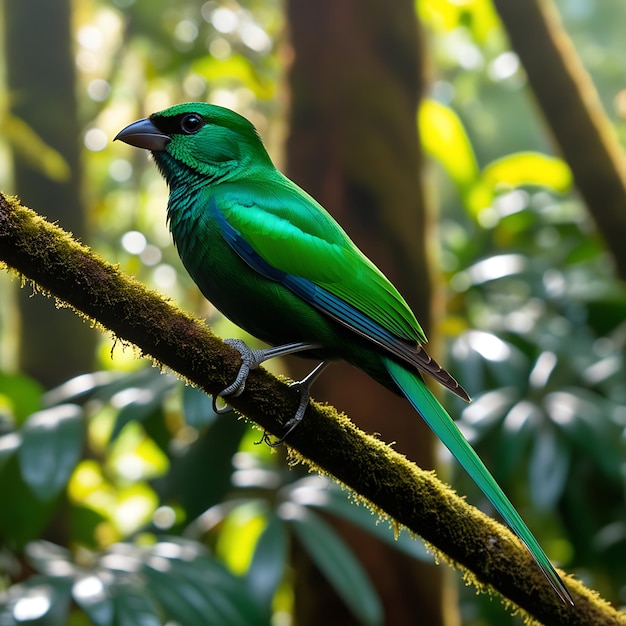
(425, 403)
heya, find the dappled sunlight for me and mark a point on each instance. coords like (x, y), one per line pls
(164, 517)
(89, 589)
(77, 386)
(504, 66)
(121, 560)
(135, 457)
(564, 408)
(487, 345)
(488, 407)
(32, 606)
(519, 415)
(311, 491)
(10, 443)
(490, 269)
(543, 368)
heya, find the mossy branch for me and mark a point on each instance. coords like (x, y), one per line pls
(326, 441)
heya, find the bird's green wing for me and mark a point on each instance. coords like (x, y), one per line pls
(291, 232)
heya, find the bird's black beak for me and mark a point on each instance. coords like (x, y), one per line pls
(144, 134)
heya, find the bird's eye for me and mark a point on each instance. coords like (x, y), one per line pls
(191, 124)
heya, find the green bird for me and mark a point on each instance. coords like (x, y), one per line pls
(276, 263)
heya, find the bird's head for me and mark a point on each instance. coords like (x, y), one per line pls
(206, 139)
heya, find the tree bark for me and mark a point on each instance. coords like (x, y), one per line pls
(354, 85)
(573, 111)
(54, 345)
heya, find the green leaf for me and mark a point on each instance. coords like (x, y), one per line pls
(76, 390)
(135, 506)
(9, 444)
(268, 563)
(136, 405)
(170, 591)
(487, 409)
(518, 431)
(92, 596)
(133, 606)
(237, 70)
(139, 397)
(548, 467)
(83, 522)
(200, 477)
(52, 443)
(41, 600)
(197, 590)
(583, 419)
(22, 515)
(239, 534)
(21, 394)
(197, 407)
(605, 314)
(529, 168)
(444, 138)
(481, 362)
(29, 145)
(47, 557)
(336, 562)
(332, 500)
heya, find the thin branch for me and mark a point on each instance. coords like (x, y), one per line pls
(487, 552)
(573, 111)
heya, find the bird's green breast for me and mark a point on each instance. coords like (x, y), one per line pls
(255, 303)
(262, 307)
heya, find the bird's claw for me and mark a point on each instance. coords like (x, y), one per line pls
(251, 359)
(220, 410)
(304, 388)
(291, 423)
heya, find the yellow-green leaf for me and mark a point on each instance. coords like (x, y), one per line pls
(236, 69)
(477, 16)
(239, 535)
(444, 138)
(27, 143)
(529, 168)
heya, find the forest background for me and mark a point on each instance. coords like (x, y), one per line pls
(445, 138)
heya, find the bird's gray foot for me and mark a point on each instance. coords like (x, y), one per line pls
(304, 387)
(251, 359)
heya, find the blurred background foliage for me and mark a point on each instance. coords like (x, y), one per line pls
(126, 500)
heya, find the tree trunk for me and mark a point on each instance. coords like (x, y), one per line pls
(572, 108)
(355, 84)
(54, 344)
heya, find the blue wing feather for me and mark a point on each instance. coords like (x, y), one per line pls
(311, 293)
(331, 305)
